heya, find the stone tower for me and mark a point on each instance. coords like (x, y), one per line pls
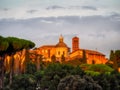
(75, 43)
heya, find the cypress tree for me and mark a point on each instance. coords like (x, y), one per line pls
(111, 55)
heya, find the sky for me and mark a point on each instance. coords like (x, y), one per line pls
(95, 22)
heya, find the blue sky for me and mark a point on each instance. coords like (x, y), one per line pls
(95, 22)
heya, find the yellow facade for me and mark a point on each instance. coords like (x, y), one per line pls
(93, 57)
(62, 49)
(57, 50)
(47, 51)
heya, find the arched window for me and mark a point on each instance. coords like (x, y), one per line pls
(58, 52)
(93, 62)
(63, 52)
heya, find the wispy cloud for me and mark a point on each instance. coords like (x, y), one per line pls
(47, 21)
(95, 35)
(115, 16)
(89, 7)
(32, 11)
(5, 9)
(54, 7)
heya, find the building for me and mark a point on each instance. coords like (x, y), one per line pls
(75, 44)
(58, 50)
(61, 49)
(92, 56)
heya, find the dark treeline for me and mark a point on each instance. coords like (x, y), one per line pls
(58, 76)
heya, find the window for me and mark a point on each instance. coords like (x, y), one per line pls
(46, 51)
(42, 51)
(49, 53)
(58, 52)
(63, 52)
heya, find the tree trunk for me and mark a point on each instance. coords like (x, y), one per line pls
(11, 70)
(26, 60)
(2, 72)
(115, 65)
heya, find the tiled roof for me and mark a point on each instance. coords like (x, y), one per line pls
(44, 46)
(61, 44)
(90, 52)
(93, 52)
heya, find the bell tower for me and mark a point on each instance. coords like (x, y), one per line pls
(75, 43)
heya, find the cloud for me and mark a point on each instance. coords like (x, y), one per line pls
(46, 21)
(83, 8)
(54, 7)
(100, 32)
(32, 11)
(115, 16)
(47, 8)
(54, 11)
(74, 7)
(5, 9)
(89, 8)
(95, 35)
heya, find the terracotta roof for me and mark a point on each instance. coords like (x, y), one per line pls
(61, 44)
(47, 46)
(93, 52)
(90, 52)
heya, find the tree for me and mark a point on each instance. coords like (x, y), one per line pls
(30, 68)
(75, 82)
(115, 64)
(53, 58)
(24, 82)
(37, 58)
(117, 57)
(62, 58)
(11, 45)
(114, 83)
(3, 47)
(56, 71)
(39, 61)
(103, 81)
(102, 68)
(77, 71)
(16, 44)
(111, 55)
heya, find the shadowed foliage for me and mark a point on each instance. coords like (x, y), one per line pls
(75, 82)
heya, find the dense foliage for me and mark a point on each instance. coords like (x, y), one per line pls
(97, 69)
(58, 76)
(54, 72)
(75, 82)
(13, 44)
(115, 58)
